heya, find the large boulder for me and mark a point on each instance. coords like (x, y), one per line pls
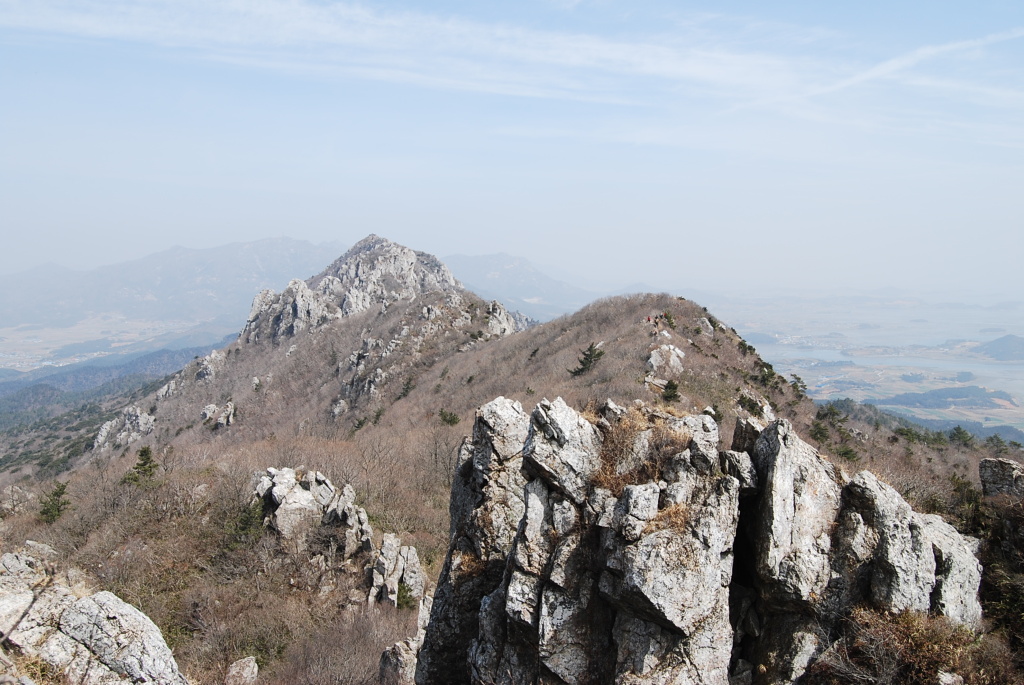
(94, 640)
(799, 503)
(296, 503)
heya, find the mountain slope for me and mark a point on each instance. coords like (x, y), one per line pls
(371, 373)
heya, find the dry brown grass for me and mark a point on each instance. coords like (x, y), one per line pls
(911, 649)
(675, 517)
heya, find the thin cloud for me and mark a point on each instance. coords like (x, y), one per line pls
(915, 57)
(415, 47)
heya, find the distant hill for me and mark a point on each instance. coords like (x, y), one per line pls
(1009, 348)
(942, 398)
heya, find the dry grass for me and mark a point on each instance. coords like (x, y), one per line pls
(911, 649)
(675, 517)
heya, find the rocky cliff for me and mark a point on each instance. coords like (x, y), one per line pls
(631, 548)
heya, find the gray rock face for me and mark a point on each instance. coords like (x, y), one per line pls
(295, 504)
(297, 309)
(666, 359)
(564, 447)
(487, 504)
(371, 275)
(1001, 477)
(396, 566)
(242, 672)
(131, 426)
(798, 506)
(728, 568)
(95, 640)
(920, 562)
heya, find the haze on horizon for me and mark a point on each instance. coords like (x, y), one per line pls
(722, 146)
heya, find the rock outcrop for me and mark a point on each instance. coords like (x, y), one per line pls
(298, 504)
(1001, 477)
(373, 274)
(131, 426)
(96, 639)
(295, 503)
(645, 554)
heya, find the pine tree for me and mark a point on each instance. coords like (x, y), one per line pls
(587, 360)
(144, 469)
(671, 392)
(54, 504)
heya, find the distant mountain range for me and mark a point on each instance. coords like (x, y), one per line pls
(211, 286)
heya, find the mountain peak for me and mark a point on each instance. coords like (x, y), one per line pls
(377, 271)
(374, 273)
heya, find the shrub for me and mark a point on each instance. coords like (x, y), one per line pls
(751, 405)
(909, 649)
(144, 470)
(448, 418)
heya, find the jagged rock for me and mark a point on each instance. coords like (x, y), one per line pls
(131, 426)
(296, 309)
(564, 447)
(487, 503)
(644, 587)
(227, 416)
(745, 434)
(94, 640)
(799, 503)
(376, 270)
(1001, 477)
(920, 562)
(295, 505)
(499, 321)
(398, 662)
(166, 390)
(242, 672)
(666, 359)
(741, 467)
(209, 365)
(571, 602)
(394, 567)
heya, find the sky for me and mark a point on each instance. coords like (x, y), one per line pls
(728, 145)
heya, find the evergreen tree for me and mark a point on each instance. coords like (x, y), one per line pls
(671, 392)
(54, 504)
(144, 469)
(587, 360)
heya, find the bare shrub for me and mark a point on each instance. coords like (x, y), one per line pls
(910, 649)
(344, 651)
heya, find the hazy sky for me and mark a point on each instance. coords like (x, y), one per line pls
(710, 144)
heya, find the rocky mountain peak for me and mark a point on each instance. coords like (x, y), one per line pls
(377, 271)
(373, 274)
